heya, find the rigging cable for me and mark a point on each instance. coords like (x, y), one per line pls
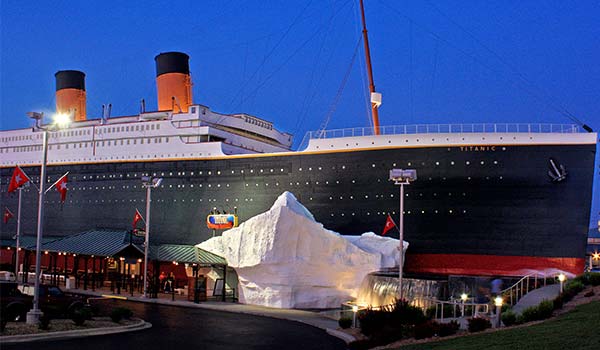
(310, 38)
(308, 96)
(335, 101)
(561, 109)
(527, 89)
(288, 30)
(365, 86)
(302, 117)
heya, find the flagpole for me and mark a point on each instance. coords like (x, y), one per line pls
(18, 236)
(55, 182)
(147, 240)
(401, 238)
(34, 314)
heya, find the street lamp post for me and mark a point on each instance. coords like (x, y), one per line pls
(561, 279)
(18, 235)
(463, 298)
(33, 316)
(498, 301)
(402, 177)
(149, 183)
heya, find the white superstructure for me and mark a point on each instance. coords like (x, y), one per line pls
(200, 133)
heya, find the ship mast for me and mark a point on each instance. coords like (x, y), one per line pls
(375, 97)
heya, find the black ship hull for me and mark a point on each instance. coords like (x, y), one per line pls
(473, 210)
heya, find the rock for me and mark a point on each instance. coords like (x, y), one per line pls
(284, 258)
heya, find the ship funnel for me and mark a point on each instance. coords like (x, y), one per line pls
(70, 93)
(173, 82)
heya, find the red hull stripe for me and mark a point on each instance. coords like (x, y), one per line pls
(488, 265)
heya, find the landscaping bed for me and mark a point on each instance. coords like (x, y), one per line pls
(58, 325)
(404, 326)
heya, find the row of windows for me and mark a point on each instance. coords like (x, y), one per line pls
(73, 145)
(258, 122)
(83, 132)
(18, 138)
(55, 135)
(109, 130)
(214, 200)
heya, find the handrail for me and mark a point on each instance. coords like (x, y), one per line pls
(446, 128)
(515, 292)
(475, 308)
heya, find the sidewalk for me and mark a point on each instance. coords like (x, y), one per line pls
(314, 319)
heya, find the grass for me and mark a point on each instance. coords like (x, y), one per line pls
(578, 329)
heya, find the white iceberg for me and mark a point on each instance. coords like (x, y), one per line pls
(284, 258)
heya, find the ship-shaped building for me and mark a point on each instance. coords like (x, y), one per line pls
(490, 199)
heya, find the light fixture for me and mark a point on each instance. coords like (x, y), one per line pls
(561, 279)
(401, 177)
(498, 301)
(464, 297)
(62, 120)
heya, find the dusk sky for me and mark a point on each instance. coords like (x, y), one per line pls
(286, 61)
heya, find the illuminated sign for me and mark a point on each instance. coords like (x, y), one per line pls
(221, 221)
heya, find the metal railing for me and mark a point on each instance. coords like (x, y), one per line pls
(446, 128)
(459, 307)
(514, 293)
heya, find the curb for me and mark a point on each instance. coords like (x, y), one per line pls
(23, 338)
(339, 334)
(331, 331)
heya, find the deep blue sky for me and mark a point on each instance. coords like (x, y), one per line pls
(434, 61)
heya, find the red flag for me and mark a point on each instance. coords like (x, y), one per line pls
(389, 224)
(61, 187)
(7, 215)
(137, 217)
(17, 180)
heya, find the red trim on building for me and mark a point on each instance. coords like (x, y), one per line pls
(488, 265)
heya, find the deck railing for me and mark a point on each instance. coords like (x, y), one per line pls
(446, 128)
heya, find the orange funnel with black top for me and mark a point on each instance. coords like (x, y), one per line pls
(173, 82)
(70, 93)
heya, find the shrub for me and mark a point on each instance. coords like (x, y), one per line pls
(594, 278)
(345, 322)
(119, 313)
(405, 314)
(44, 322)
(545, 309)
(370, 320)
(574, 286)
(446, 329)
(398, 318)
(478, 324)
(539, 312)
(529, 314)
(426, 330)
(571, 289)
(509, 318)
(79, 316)
(558, 302)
